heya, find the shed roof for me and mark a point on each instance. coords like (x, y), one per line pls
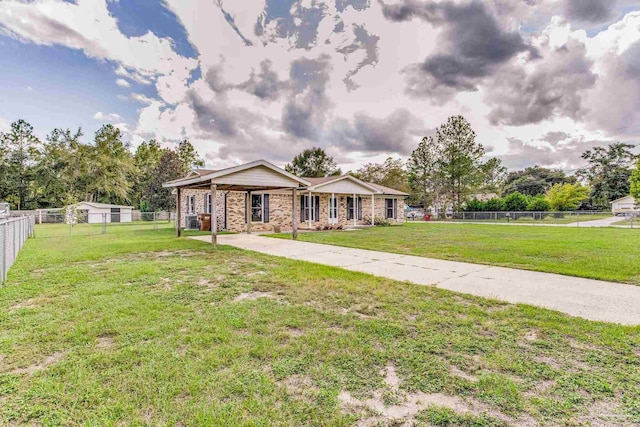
(103, 205)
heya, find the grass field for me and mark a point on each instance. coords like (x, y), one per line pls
(526, 218)
(138, 327)
(596, 253)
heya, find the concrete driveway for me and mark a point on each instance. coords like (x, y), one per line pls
(589, 299)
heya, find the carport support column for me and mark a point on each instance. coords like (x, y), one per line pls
(294, 216)
(248, 211)
(373, 209)
(178, 211)
(214, 215)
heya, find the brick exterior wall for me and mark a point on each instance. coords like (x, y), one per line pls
(280, 210)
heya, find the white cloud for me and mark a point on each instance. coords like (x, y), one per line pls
(123, 83)
(108, 118)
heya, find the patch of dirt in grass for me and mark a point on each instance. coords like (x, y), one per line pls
(295, 332)
(104, 341)
(402, 408)
(457, 372)
(301, 387)
(30, 303)
(603, 413)
(531, 335)
(252, 296)
(54, 358)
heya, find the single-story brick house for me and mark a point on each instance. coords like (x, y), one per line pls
(257, 196)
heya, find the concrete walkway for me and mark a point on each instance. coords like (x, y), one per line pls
(607, 222)
(589, 299)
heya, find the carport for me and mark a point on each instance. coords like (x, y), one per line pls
(259, 175)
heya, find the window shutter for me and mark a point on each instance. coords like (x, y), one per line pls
(349, 205)
(360, 208)
(205, 204)
(302, 207)
(317, 208)
(246, 210)
(395, 208)
(265, 200)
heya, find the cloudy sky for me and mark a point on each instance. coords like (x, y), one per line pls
(539, 80)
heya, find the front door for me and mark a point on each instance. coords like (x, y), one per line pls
(333, 210)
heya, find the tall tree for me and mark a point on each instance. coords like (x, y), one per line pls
(22, 152)
(112, 167)
(534, 181)
(146, 160)
(492, 175)
(391, 174)
(460, 159)
(169, 167)
(56, 175)
(189, 156)
(424, 175)
(608, 173)
(313, 163)
(634, 188)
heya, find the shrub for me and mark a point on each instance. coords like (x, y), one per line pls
(515, 202)
(566, 197)
(381, 222)
(538, 204)
(475, 205)
(493, 205)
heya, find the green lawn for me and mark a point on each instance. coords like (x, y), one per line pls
(138, 328)
(527, 219)
(596, 253)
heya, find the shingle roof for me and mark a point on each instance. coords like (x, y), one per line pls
(385, 190)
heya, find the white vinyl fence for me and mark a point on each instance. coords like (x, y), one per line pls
(13, 233)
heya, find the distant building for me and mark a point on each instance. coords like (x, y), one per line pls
(4, 210)
(623, 204)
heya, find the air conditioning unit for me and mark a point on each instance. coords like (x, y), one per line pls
(191, 222)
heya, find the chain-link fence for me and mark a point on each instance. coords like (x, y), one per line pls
(525, 217)
(78, 223)
(13, 233)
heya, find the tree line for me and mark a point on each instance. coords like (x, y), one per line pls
(446, 170)
(63, 170)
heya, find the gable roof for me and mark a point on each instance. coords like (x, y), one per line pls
(103, 205)
(622, 198)
(207, 174)
(321, 182)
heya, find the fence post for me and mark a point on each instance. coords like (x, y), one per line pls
(104, 223)
(3, 277)
(155, 219)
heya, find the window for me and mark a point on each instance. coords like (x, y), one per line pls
(207, 203)
(351, 207)
(257, 208)
(191, 204)
(309, 210)
(391, 208)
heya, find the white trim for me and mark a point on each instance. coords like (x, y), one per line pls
(239, 168)
(333, 211)
(349, 177)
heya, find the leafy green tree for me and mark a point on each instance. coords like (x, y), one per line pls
(460, 162)
(391, 174)
(189, 156)
(424, 175)
(634, 188)
(515, 202)
(169, 167)
(493, 175)
(145, 160)
(21, 148)
(534, 181)
(538, 204)
(112, 167)
(566, 197)
(56, 175)
(313, 163)
(608, 173)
